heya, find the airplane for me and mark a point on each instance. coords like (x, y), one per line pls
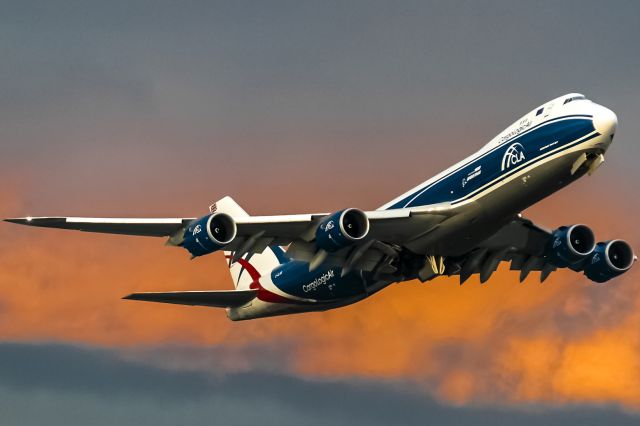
(463, 221)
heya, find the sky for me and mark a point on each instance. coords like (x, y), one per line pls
(159, 108)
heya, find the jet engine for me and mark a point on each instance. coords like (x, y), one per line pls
(570, 246)
(209, 233)
(609, 260)
(341, 229)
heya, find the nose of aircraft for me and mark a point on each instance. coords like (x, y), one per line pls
(605, 121)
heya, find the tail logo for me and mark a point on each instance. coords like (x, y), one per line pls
(512, 156)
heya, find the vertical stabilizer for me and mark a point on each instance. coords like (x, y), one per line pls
(249, 268)
(229, 206)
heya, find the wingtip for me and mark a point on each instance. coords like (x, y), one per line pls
(37, 221)
(137, 296)
(18, 220)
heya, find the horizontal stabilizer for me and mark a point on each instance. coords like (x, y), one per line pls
(216, 299)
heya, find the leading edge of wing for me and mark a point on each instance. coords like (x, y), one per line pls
(216, 299)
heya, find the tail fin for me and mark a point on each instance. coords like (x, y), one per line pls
(229, 206)
(249, 268)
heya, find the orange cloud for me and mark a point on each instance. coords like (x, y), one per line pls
(503, 342)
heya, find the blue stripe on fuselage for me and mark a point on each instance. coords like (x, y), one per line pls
(486, 170)
(535, 160)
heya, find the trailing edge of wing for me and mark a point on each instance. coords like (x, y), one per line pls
(216, 299)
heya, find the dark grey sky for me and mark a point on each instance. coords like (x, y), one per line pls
(283, 95)
(61, 385)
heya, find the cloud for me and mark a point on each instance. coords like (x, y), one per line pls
(60, 384)
(497, 344)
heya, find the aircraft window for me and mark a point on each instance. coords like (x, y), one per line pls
(575, 98)
(539, 111)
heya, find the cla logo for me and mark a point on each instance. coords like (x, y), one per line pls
(513, 156)
(329, 226)
(197, 230)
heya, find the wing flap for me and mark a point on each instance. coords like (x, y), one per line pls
(520, 242)
(216, 299)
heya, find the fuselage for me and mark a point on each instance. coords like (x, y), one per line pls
(531, 159)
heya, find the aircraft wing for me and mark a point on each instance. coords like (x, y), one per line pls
(520, 242)
(282, 229)
(255, 233)
(388, 225)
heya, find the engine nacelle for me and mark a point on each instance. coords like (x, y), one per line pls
(570, 246)
(341, 229)
(609, 260)
(209, 233)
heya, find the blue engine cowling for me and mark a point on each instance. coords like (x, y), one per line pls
(570, 246)
(209, 233)
(341, 229)
(609, 260)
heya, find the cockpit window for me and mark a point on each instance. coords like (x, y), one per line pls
(573, 98)
(540, 111)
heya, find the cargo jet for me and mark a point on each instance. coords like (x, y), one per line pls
(464, 221)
